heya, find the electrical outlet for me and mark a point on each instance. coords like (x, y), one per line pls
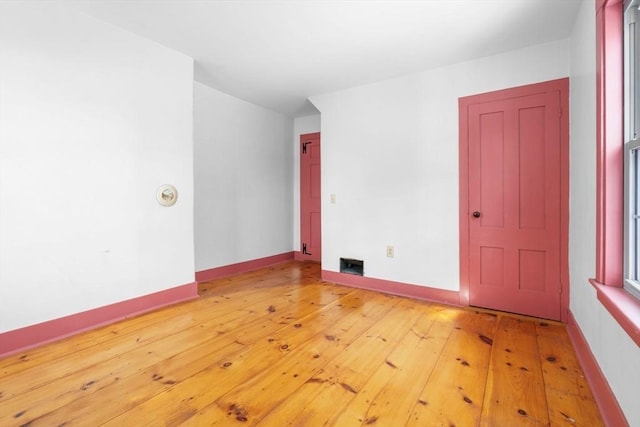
(390, 251)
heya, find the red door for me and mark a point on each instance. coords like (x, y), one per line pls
(310, 229)
(514, 207)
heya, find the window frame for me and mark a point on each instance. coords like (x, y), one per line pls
(623, 306)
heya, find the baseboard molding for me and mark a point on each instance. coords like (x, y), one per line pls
(299, 256)
(394, 288)
(242, 267)
(609, 408)
(19, 340)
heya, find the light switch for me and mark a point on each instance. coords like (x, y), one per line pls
(332, 198)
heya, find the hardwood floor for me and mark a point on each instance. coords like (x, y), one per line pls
(279, 347)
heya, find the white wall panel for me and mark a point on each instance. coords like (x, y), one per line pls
(92, 121)
(243, 180)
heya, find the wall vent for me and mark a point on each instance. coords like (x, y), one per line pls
(352, 266)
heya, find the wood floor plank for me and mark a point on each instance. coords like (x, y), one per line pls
(515, 394)
(389, 396)
(455, 390)
(33, 357)
(279, 346)
(249, 400)
(185, 398)
(183, 316)
(568, 395)
(236, 308)
(341, 379)
(261, 278)
(226, 330)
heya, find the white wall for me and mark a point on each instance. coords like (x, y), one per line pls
(243, 180)
(301, 126)
(615, 352)
(92, 121)
(390, 154)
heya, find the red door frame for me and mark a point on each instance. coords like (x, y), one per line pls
(562, 86)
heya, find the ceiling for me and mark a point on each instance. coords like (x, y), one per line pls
(277, 53)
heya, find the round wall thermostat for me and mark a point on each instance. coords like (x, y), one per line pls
(167, 195)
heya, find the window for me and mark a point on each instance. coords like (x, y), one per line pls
(632, 147)
(616, 246)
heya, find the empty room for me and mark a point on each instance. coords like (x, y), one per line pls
(320, 212)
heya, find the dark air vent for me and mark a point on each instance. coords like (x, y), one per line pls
(352, 266)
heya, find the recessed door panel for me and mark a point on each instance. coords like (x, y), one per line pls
(491, 266)
(532, 270)
(532, 177)
(491, 169)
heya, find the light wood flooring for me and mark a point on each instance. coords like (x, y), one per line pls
(279, 347)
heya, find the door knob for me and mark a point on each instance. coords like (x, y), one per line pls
(476, 214)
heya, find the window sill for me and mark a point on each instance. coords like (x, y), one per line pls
(623, 307)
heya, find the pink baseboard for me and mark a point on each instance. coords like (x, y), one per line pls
(394, 288)
(22, 339)
(609, 408)
(242, 267)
